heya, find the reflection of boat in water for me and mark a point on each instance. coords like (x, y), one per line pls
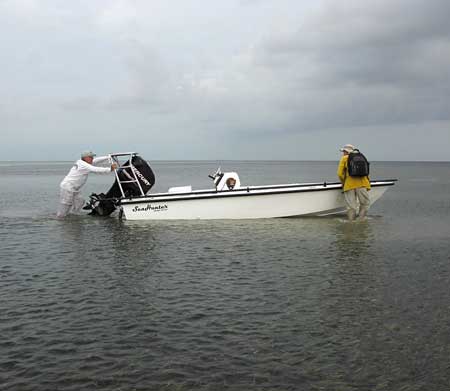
(229, 199)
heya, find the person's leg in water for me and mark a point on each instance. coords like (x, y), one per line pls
(352, 204)
(78, 203)
(364, 202)
(63, 210)
(66, 203)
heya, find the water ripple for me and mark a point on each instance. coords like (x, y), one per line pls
(286, 304)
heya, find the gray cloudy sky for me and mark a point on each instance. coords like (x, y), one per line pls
(234, 79)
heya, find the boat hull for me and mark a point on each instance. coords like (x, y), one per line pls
(250, 203)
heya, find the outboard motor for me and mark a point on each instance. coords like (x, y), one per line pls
(132, 180)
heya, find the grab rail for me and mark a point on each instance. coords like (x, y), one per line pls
(114, 158)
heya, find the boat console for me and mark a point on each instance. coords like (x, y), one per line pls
(225, 180)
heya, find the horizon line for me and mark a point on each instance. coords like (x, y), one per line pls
(237, 160)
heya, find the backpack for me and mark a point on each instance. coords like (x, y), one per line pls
(357, 164)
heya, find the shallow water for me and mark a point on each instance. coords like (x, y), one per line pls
(286, 304)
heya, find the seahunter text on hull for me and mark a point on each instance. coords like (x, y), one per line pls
(227, 200)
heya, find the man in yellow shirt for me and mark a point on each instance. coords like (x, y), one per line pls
(356, 189)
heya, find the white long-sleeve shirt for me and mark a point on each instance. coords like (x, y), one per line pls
(78, 174)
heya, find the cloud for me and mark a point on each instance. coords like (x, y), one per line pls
(347, 61)
(238, 70)
(346, 65)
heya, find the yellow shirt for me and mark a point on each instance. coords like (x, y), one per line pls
(350, 182)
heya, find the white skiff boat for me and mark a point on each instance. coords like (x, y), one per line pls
(229, 199)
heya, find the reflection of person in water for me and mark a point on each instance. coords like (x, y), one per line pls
(349, 301)
(231, 182)
(353, 240)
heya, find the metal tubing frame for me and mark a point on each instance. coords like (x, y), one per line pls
(114, 158)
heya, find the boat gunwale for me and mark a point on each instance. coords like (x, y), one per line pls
(244, 192)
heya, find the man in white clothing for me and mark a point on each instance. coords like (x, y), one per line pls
(70, 200)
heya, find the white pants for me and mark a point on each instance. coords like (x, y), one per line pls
(69, 202)
(357, 196)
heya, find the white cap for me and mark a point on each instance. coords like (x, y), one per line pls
(347, 148)
(87, 154)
